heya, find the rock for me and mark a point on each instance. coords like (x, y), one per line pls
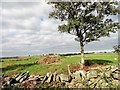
(54, 76)
(45, 78)
(29, 84)
(89, 82)
(104, 85)
(11, 81)
(113, 68)
(99, 83)
(17, 84)
(115, 74)
(66, 78)
(22, 76)
(107, 74)
(41, 76)
(76, 75)
(92, 85)
(31, 76)
(50, 79)
(95, 82)
(80, 79)
(18, 77)
(115, 83)
(83, 73)
(108, 68)
(57, 78)
(48, 74)
(6, 78)
(92, 74)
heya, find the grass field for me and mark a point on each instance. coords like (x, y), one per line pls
(13, 66)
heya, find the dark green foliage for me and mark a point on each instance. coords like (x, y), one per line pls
(86, 20)
(117, 48)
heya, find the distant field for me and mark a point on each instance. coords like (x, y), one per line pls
(13, 66)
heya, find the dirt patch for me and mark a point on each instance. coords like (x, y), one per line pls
(77, 67)
(49, 60)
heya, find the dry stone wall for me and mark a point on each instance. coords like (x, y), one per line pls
(98, 78)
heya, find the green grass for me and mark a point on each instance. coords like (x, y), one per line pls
(12, 66)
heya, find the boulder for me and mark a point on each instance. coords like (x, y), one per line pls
(115, 74)
(66, 78)
(115, 83)
(35, 79)
(22, 76)
(104, 85)
(44, 79)
(80, 75)
(11, 81)
(18, 77)
(50, 79)
(76, 75)
(29, 83)
(88, 83)
(108, 74)
(48, 74)
(31, 76)
(92, 74)
(54, 76)
(82, 72)
(57, 78)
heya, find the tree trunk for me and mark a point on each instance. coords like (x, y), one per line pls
(82, 53)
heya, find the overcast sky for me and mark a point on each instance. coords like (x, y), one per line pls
(27, 30)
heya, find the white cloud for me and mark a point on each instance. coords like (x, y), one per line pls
(26, 29)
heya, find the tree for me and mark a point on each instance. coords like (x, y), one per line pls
(86, 20)
(117, 48)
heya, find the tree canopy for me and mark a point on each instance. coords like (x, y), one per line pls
(117, 48)
(86, 20)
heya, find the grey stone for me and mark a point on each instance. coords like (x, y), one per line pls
(66, 78)
(54, 76)
(89, 83)
(80, 75)
(92, 74)
(104, 85)
(83, 73)
(23, 78)
(45, 78)
(31, 76)
(41, 76)
(22, 75)
(48, 74)
(107, 74)
(57, 78)
(50, 79)
(115, 69)
(76, 75)
(11, 81)
(115, 76)
(108, 68)
(115, 83)
(34, 79)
